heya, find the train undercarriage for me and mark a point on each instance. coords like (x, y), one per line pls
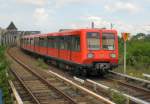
(95, 69)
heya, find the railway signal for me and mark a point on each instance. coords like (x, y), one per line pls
(125, 37)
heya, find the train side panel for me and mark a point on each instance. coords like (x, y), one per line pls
(52, 52)
(65, 55)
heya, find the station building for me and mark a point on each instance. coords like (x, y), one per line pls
(11, 35)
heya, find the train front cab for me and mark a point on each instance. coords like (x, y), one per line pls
(100, 51)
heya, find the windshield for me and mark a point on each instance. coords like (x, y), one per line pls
(108, 41)
(93, 40)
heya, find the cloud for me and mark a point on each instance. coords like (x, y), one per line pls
(85, 22)
(119, 25)
(146, 28)
(62, 3)
(122, 6)
(40, 15)
(44, 19)
(131, 28)
(98, 21)
(34, 2)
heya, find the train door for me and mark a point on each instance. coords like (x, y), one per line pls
(40, 45)
(75, 54)
(56, 46)
(36, 44)
(64, 51)
(32, 44)
(68, 47)
(45, 46)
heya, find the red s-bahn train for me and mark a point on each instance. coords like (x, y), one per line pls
(81, 51)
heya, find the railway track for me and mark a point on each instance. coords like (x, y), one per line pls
(127, 88)
(49, 90)
(37, 90)
(134, 86)
(131, 89)
(133, 80)
(134, 94)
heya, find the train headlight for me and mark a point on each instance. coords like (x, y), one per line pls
(113, 55)
(90, 55)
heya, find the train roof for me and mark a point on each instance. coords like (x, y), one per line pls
(66, 32)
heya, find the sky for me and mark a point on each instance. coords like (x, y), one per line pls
(131, 16)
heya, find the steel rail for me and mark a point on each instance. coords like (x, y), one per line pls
(146, 75)
(103, 99)
(134, 99)
(130, 77)
(26, 88)
(45, 81)
(15, 93)
(98, 85)
(130, 85)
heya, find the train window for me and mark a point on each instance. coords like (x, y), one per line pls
(62, 42)
(75, 43)
(108, 41)
(56, 42)
(93, 40)
(24, 41)
(38, 41)
(67, 41)
(51, 42)
(43, 42)
(34, 41)
(27, 41)
(31, 41)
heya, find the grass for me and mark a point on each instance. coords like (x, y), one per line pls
(135, 71)
(117, 98)
(42, 64)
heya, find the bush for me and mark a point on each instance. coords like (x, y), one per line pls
(137, 52)
(3, 78)
(42, 64)
(118, 98)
